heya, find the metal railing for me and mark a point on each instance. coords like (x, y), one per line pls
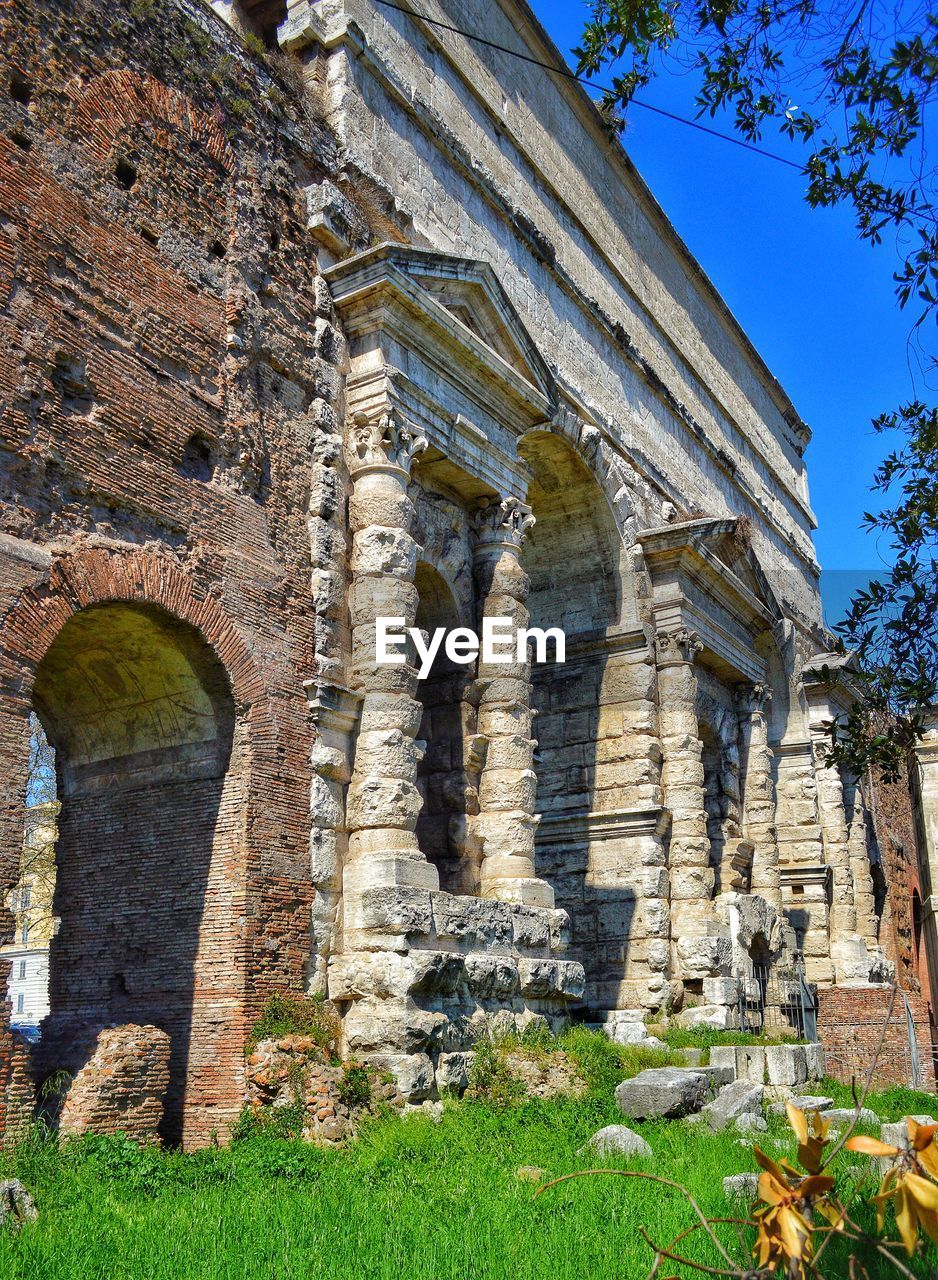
(777, 999)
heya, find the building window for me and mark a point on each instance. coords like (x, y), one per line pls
(22, 969)
(24, 935)
(26, 897)
(19, 1003)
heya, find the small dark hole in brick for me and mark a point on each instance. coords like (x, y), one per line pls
(21, 140)
(217, 249)
(197, 461)
(125, 173)
(70, 379)
(149, 235)
(20, 90)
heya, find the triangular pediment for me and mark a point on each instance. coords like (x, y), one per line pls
(732, 548)
(472, 304)
(466, 291)
(721, 549)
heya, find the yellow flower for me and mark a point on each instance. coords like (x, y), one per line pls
(810, 1143)
(785, 1232)
(914, 1198)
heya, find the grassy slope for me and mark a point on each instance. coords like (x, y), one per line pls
(410, 1200)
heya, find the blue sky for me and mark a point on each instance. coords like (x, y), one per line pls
(816, 302)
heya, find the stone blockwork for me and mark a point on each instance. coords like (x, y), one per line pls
(433, 972)
(298, 338)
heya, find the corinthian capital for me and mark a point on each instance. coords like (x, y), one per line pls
(681, 645)
(501, 522)
(385, 441)
(753, 699)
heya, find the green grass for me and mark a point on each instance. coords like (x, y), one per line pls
(410, 1200)
(888, 1104)
(603, 1064)
(709, 1038)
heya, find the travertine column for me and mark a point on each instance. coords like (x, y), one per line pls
(682, 778)
(864, 901)
(759, 793)
(507, 789)
(383, 801)
(849, 951)
(833, 818)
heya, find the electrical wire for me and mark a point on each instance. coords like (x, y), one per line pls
(589, 84)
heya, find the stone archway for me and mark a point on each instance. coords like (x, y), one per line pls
(595, 777)
(205, 725)
(150, 874)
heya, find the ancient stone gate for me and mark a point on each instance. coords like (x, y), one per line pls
(366, 324)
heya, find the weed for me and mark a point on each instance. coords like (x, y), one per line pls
(254, 44)
(287, 1014)
(603, 1064)
(55, 1085)
(709, 1038)
(490, 1079)
(355, 1087)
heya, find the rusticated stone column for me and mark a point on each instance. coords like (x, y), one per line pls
(758, 820)
(383, 801)
(833, 816)
(864, 901)
(507, 789)
(682, 778)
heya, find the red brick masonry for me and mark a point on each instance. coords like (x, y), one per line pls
(850, 1027)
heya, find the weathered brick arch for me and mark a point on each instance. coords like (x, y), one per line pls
(83, 581)
(116, 100)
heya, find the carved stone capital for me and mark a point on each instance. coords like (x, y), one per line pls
(502, 522)
(385, 441)
(681, 646)
(753, 699)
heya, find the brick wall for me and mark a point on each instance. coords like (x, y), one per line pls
(894, 825)
(168, 366)
(850, 1027)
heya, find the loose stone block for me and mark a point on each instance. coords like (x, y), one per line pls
(662, 1091)
(786, 1064)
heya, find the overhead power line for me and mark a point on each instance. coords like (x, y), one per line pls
(590, 84)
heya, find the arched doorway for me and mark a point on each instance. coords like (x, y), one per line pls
(448, 791)
(150, 877)
(581, 581)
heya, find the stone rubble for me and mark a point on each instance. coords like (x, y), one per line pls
(293, 1071)
(668, 1092)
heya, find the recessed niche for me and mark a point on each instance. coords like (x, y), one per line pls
(20, 89)
(197, 461)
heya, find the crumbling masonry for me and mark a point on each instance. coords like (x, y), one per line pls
(380, 322)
